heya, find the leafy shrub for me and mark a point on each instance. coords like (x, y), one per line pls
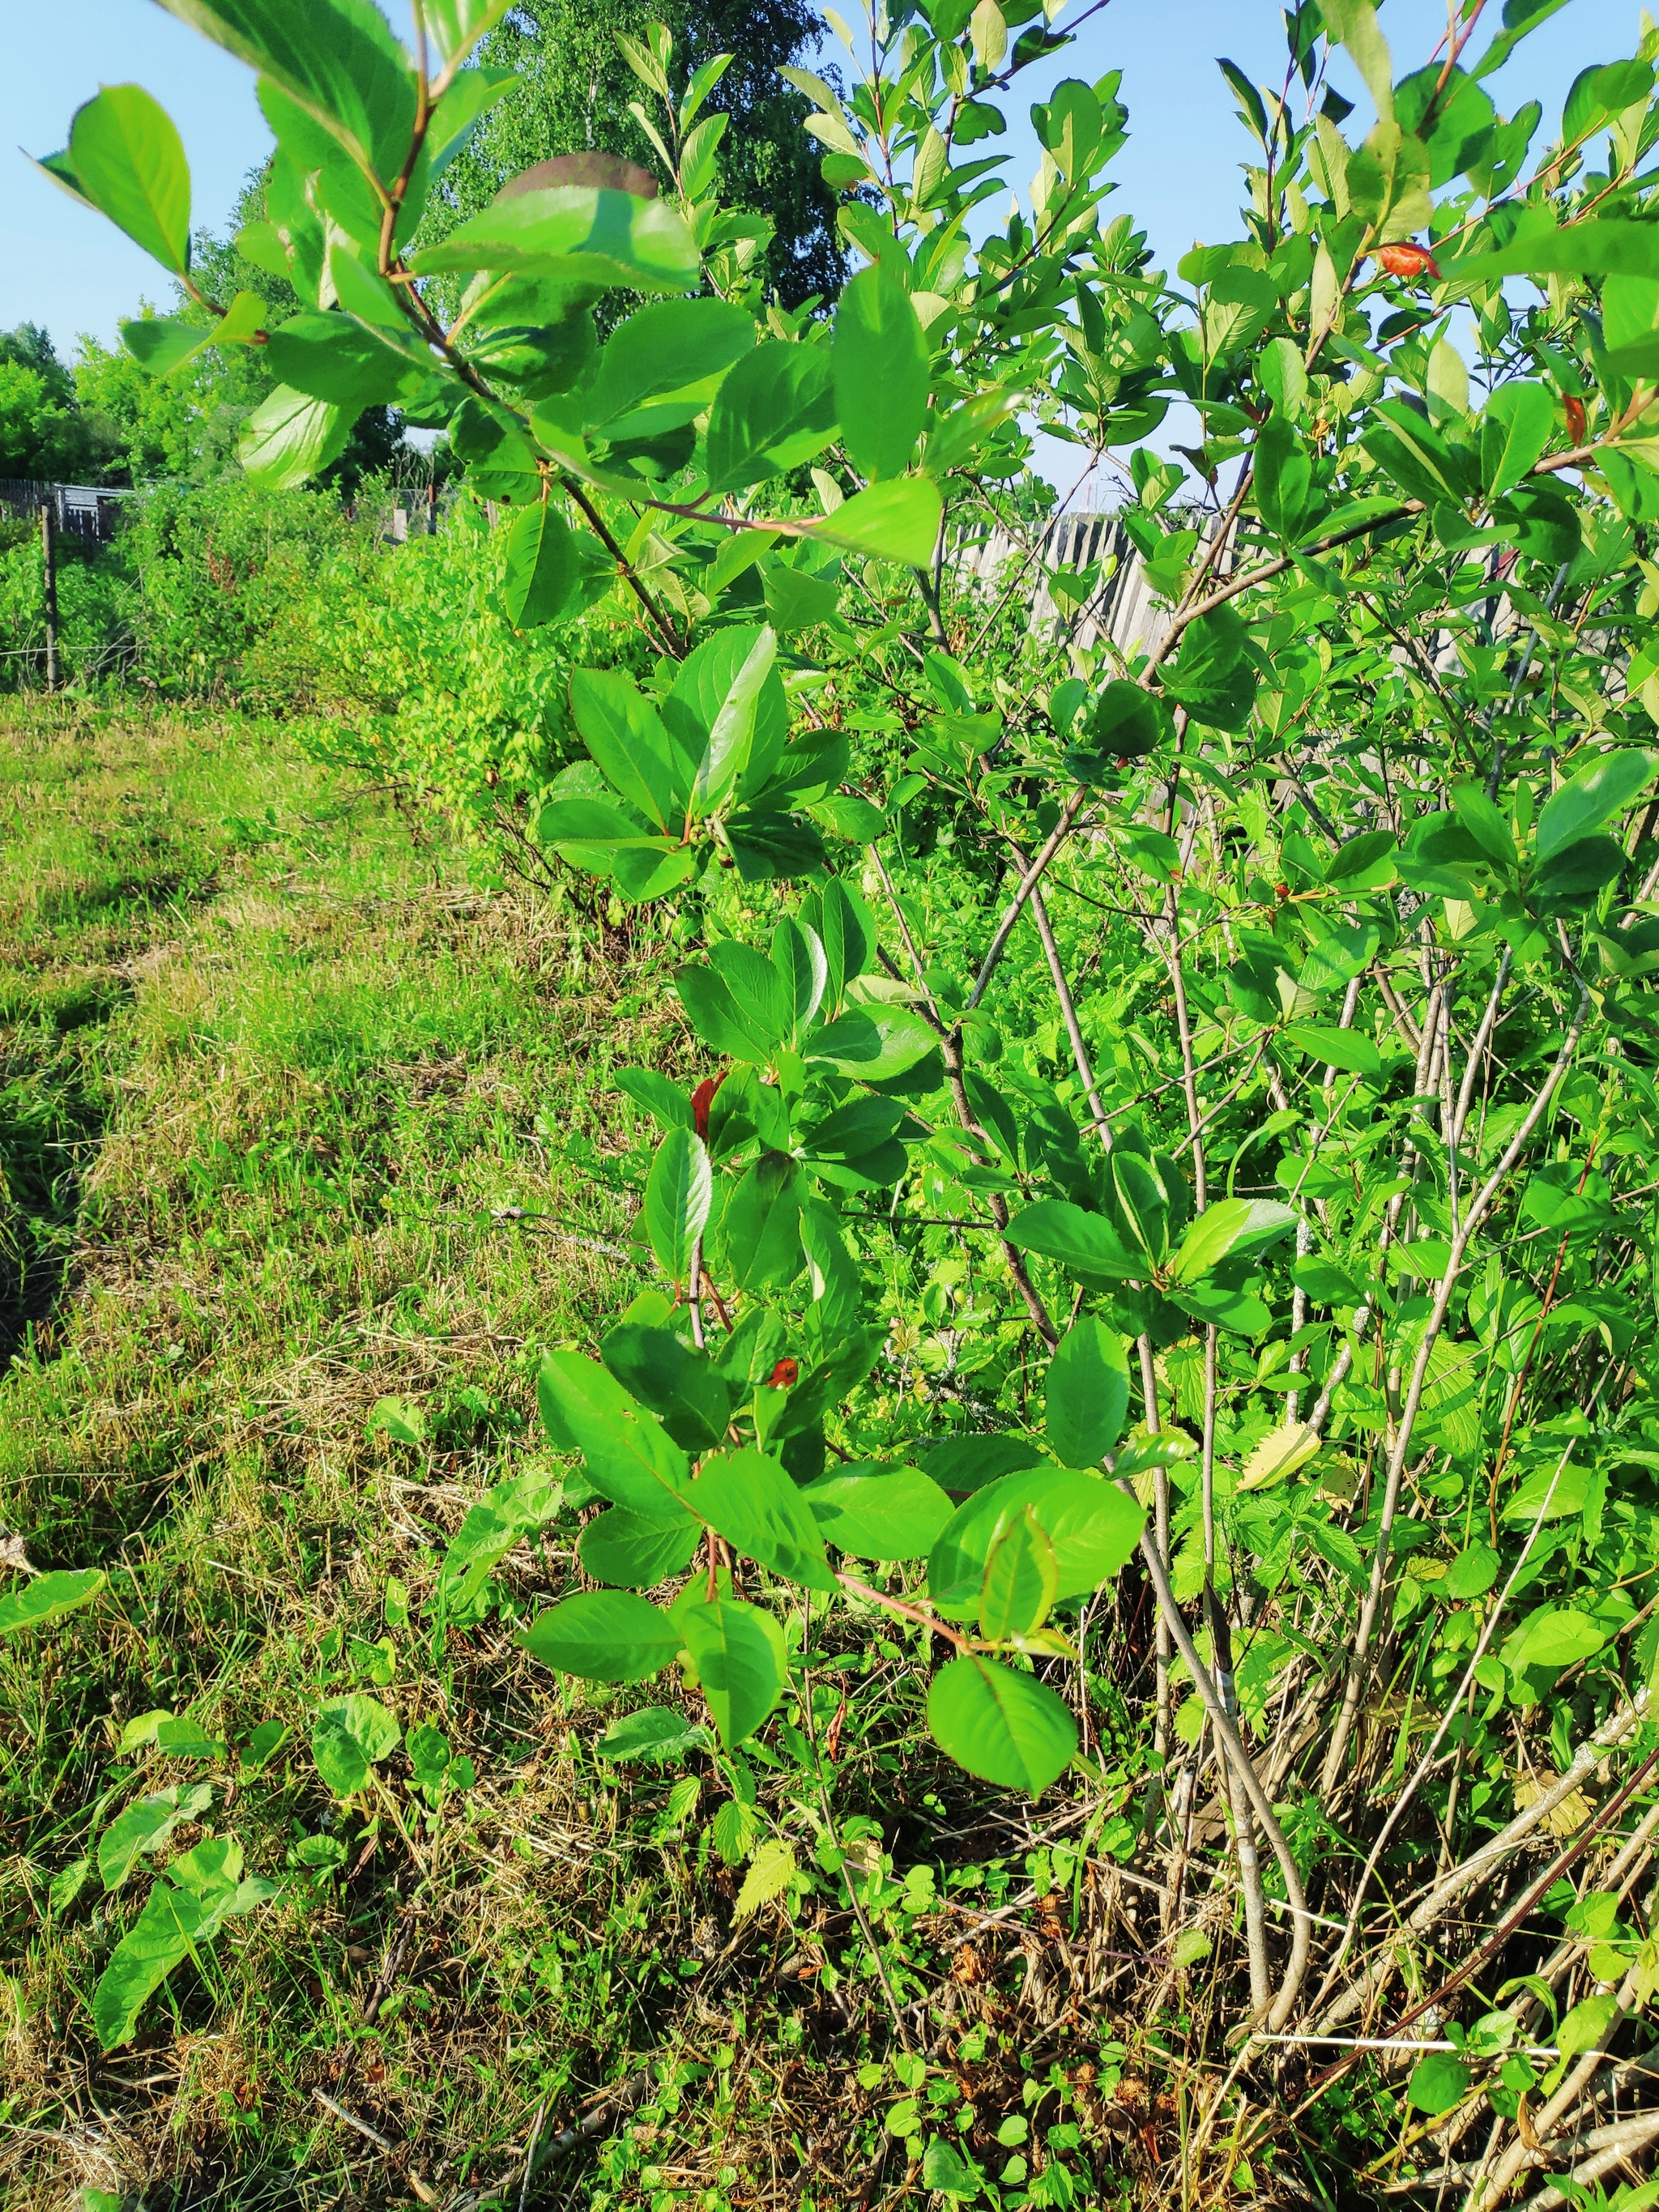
(1233, 1055)
(224, 590)
(426, 681)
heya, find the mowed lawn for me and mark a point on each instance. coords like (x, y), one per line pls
(280, 1090)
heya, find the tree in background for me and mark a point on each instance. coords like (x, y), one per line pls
(578, 92)
(43, 432)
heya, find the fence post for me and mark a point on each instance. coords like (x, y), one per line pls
(432, 508)
(49, 569)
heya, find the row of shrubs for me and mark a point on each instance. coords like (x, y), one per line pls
(396, 656)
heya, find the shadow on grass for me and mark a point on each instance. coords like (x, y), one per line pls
(52, 1122)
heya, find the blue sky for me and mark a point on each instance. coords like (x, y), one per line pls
(62, 266)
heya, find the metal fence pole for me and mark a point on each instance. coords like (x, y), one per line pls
(49, 570)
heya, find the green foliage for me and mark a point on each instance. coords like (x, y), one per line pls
(48, 1598)
(1331, 1086)
(226, 591)
(573, 89)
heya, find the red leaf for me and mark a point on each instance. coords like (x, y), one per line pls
(1408, 261)
(701, 1099)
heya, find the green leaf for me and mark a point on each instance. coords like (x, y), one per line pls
(1516, 426)
(1354, 24)
(144, 1827)
(1002, 1726)
(1595, 795)
(1231, 1229)
(620, 1548)
(456, 26)
(846, 932)
(880, 362)
(674, 1379)
(573, 234)
(732, 1829)
(624, 733)
(1345, 951)
(716, 680)
(630, 1457)
(65, 1886)
(603, 1636)
(1629, 325)
(1282, 375)
(1143, 1203)
(1087, 1393)
(161, 344)
(898, 521)
(140, 1731)
(1587, 2025)
(184, 1738)
(332, 357)
(760, 1230)
(1284, 476)
(732, 732)
(1237, 1310)
(1417, 456)
(1093, 1527)
(129, 162)
(396, 1418)
(1554, 1636)
(656, 1733)
(47, 1598)
(1345, 1049)
(1123, 722)
(671, 354)
(678, 1197)
(796, 601)
(1603, 246)
(1488, 826)
(1084, 1244)
(290, 436)
(968, 1463)
(1021, 1579)
(549, 571)
(1597, 94)
(770, 1873)
(338, 58)
(665, 1101)
(262, 1747)
(188, 1906)
(772, 411)
(747, 1497)
(1279, 1455)
(141, 1961)
(727, 1026)
(944, 2169)
(1472, 1572)
(1438, 2083)
(1212, 676)
(741, 1660)
(488, 1532)
(873, 1043)
(350, 1736)
(880, 1512)
(1581, 870)
(1362, 863)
